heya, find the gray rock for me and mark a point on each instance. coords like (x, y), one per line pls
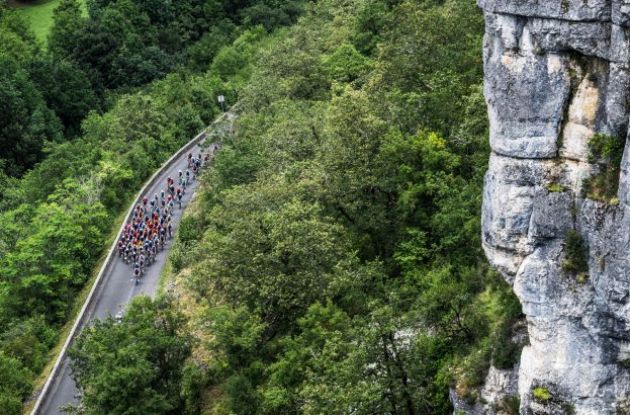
(557, 72)
(621, 12)
(578, 10)
(526, 96)
(499, 385)
(616, 108)
(588, 38)
(616, 11)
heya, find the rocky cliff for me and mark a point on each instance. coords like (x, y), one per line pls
(557, 74)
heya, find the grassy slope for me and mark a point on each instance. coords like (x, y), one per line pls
(40, 16)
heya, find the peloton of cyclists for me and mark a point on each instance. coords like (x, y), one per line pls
(151, 223)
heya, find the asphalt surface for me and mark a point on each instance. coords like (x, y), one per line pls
(118, 289)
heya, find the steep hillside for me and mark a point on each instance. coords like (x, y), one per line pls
(333, 261)
(75, 147)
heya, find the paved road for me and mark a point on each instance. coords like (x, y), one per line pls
(118, 289)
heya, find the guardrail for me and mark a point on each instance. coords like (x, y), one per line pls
(84, 315)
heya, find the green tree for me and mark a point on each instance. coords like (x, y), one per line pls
(67, 91)
(25, 121)
(46, 266)
(28, 341)
(65, 34)
(423, 75)
(18, 42)
(371, 364)
(201, 53)
(278, 260)
(345, 64)
(14, 385)
(271, 13)
(135, 367)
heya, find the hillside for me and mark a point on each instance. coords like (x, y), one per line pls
(80, 131)
(332, 261)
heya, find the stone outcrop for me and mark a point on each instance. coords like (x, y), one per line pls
(557, 72)
(492, 398)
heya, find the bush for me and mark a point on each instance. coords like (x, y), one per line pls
(181, 254)
(605, 151)
(470, 372)
(346, 64)
(14, 384)
(135, 365)
(190, 229)
(541, 394)
(576, 254)
(10, 403)
(555, 188)
(505, 352)
(194, 379)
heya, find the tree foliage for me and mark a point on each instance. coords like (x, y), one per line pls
(59, 197)
(137, 364)
(26, 123)
(340, 252)
(335, 257)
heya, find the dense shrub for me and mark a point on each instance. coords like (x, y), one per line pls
(606, 152)
(576, 254)
(541, 394)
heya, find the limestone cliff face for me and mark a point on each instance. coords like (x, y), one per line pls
(556, 73)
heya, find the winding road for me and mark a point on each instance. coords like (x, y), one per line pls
(116, 288)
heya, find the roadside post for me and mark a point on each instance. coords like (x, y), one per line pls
(221, 99)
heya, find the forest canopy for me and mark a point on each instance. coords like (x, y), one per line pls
(332, 262)
(84, 121)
